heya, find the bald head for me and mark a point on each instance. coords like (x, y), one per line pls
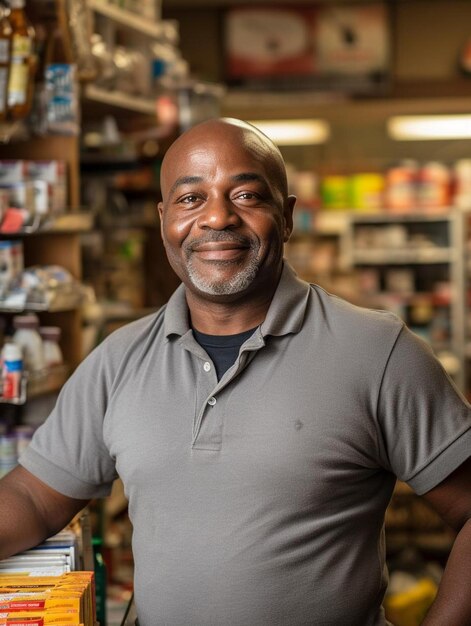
(222, 134)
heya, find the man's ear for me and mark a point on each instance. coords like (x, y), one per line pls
(288, 217)
(160, 209)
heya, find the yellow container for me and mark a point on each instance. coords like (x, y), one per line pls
(366, 192)
(334, 192)
(408, 608)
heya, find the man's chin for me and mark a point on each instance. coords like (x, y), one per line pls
(223, 287)
(218, 290)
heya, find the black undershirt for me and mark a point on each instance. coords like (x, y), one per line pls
(223, 350)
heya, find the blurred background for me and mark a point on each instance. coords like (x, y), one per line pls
(370, 104)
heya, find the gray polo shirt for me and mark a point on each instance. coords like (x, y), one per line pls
(259, 499)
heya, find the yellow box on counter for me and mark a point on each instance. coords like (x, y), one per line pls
(65, 600)
(408, 608)
(39, 618)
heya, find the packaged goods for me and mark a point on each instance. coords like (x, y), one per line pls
(13, 171)
(11, 264)
(66, 600)
(62, 99)
(50, 184)
(21, 196)
(52, 171)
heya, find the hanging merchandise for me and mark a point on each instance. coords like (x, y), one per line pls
(5, 54)
(62, 99)
(22, 65)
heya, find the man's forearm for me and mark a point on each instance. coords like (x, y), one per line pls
(30, 511)
(21, 526)
(452, 605)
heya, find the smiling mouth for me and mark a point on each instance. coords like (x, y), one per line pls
(220, 250)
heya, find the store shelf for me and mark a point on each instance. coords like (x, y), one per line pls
(331, 223)
(385, 217)
(403, 256)
(127, 19)
(36, 384)
(120, 100)
(13, 131)
(59, 307)
(72, 222)
(47, 381)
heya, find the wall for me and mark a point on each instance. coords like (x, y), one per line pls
(427, 39)
(427, 35)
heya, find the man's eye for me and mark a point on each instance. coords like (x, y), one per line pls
(247, 195)
(189, 199)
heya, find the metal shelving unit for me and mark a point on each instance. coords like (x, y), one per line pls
(431, 246)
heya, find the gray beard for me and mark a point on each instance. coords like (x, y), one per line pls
(213, 287)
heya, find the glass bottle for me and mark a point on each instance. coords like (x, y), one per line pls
(22, 65)
(5, 58)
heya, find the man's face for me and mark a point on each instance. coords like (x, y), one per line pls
(224, 216)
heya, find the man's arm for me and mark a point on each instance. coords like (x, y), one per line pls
(452, 500)
(31, 511)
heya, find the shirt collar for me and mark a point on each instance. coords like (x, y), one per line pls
(285, 315)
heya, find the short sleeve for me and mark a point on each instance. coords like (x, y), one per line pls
(68, 451)
(424, 421)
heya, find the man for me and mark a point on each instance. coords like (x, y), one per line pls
(257, 422)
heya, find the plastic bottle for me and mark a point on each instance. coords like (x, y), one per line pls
(435, 186)
(51, 349)
(12, 370)
(5, 58)
(22, 65)
(28, 338)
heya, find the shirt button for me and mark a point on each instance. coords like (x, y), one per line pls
(212, 401)
(207, 366)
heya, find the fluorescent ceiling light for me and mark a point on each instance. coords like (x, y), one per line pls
(425, 127)
(294, 132)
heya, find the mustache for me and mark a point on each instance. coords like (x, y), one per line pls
(220, 235)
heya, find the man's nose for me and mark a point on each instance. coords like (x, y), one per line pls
(218, 213)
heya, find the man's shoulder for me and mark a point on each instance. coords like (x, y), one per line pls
(132, 335)
(340, 312)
